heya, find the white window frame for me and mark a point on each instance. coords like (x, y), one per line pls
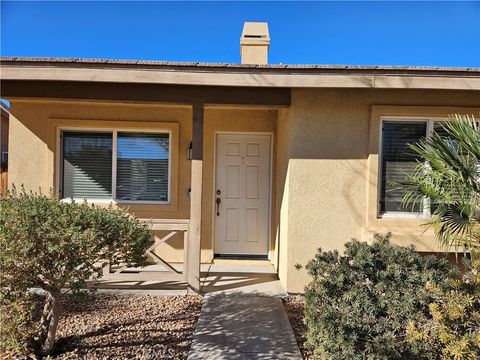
(114, 131)
(426, 210)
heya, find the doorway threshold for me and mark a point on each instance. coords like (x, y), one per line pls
(240, 257)
(241, 261)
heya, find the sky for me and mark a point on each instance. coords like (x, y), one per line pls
(350, 33)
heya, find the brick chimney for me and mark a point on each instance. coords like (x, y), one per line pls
(254, 43)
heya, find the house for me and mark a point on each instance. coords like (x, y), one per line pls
(3, 150)
(252, 160)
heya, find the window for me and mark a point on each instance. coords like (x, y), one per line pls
(119, 165)
(142, 167)
(87, 165)
(397, 160)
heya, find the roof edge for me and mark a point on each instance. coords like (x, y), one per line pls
(52, 61)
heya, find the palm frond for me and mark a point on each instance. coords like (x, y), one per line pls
(449, 176)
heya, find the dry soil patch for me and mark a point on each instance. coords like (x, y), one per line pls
(295, 312)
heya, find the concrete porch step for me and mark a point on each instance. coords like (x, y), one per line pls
(241, 262)
(244, 279)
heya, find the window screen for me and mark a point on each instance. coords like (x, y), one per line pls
(142, 166)
(397, 161)
(87, 165)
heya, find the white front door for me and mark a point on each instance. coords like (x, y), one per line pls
(242, 194)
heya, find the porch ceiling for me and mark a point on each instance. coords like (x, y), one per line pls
(158, 93)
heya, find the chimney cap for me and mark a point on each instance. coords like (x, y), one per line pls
(255, 32)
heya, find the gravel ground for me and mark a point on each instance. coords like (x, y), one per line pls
(127, 327)
(295, 310)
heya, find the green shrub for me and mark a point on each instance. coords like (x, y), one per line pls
(57, 245)
(452, 327)
(17, 327)
(358, 305)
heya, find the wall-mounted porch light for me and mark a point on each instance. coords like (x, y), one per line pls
(189, 152)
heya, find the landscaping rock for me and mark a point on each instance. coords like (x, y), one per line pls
(127, 327)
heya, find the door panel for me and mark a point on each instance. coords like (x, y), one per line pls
(243, 181)
(231, 228)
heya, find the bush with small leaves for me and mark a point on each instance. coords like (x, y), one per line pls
(56, 245)
(17, 327)
(358, 304)
(452, 327)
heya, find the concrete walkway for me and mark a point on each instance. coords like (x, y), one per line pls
(242, 315)
(236, 325)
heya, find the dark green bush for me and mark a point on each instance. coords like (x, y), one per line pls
(359, 304)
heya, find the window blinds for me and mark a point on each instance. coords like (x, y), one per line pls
(87, 165)
(398, 160)
(142, 166)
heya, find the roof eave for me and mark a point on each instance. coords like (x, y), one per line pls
(287, 76)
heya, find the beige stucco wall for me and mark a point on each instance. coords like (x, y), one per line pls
(325, 162)
(34, 126)
(33, 153)
(331, 179)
